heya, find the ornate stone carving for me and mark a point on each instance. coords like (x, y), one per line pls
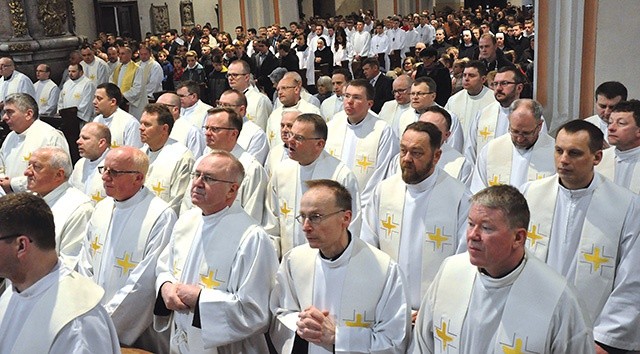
(19, 47)
(52, 15)
(160, 18)
(186, 13)
(18, 18)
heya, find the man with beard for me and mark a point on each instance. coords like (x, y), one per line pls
(418, 216)
(525, 154)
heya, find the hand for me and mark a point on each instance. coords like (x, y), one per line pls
(188, 294)
(317, 60)
(414, 317)
(600, 350)
(6, 185)
(170, 297)
(317, 327)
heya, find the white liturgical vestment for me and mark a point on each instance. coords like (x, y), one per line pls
(466, 106)
(530, 310)
(87, 178)
(196, 114)
(622, 167)
(190, 136)
(232, 259)
(47, 94)
(259, 107)
(253, 140)
(124, 128)
(273, 125)
(78, 93)
(17, 83)
(98, 71)
(362, 290)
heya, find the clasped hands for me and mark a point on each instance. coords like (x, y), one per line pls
(316, 327)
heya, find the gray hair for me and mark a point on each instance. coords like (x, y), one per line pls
(58, 158)
(534, 107)
(23, 102)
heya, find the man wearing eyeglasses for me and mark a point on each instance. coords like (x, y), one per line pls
(183, 131)
(586, 228)
(191, 107)
(289, 88)
(221, 131)
(423, 95)
(49, 308)
(13, 81)
(47, 174)
(170, 162)
(308, 161)
(125, 236)
(525, 154)
(46, 91)
(492, 121)
(123, 126)
(392, 110)
(217, 271)
(93, 145)
(252, 138)
(418, 216)
(259, 106)
(360, 139)
(337, 293)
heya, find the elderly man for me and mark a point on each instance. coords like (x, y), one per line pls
(523, 155)
(216, 273)
(192, 108)
(126, 234)
(47, 174)
(259, 106)
(13, 81)
(170, 162)
(183, 131)
(95, 69)
(279, 153)
(27, 134)
(221, 131)
(418, 216)
(46, 91)
(45, 293)
(586, 228)
(423, 95)
(288, 88)
(620, 161)
(123, 126)
(392, 110)
(93, 145)
(128, 76)
(78, 92)
(474, 96)
(363, 142)
(308, 161)
(608, 95)
(335, 103)
(337, 293)
(252, 138)
(503, 299)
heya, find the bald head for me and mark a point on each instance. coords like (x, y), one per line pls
(172, 102)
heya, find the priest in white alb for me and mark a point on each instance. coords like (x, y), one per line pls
(93, 145)
(214, 277)
(123, 126)
(337, 294)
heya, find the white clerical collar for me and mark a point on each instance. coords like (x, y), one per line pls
(189, 110)
(55, 194)
(356, 125)
(133, 201)
(425, 184)
(310, 167)
(579, 193)
(213, 219)
(112, 114)
(627, 155)
(507, 280)
(43, 283)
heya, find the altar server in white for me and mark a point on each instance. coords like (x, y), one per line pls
(47, 174)
(49, 308)
(308, 161)
(418, 216)
(337, 294)
(215, 275)
(125, 236)
(523, 155)
(621, 162)
(170, 162)
(586, 228)
(498, 297)
(27, 134)
(123, 126)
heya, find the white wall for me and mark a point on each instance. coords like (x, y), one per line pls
(617, 49)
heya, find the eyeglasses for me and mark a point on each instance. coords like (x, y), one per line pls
(183, 96)
(315, 218)
(235, 75)
(214, 129)
(502, 83)
(400, 91)
(285, 88)
(114, 173)
(302, 139)
(525, 135)
(226, 105)
(11, 236)
(206, 178)
(421, 94)
(349, 96)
